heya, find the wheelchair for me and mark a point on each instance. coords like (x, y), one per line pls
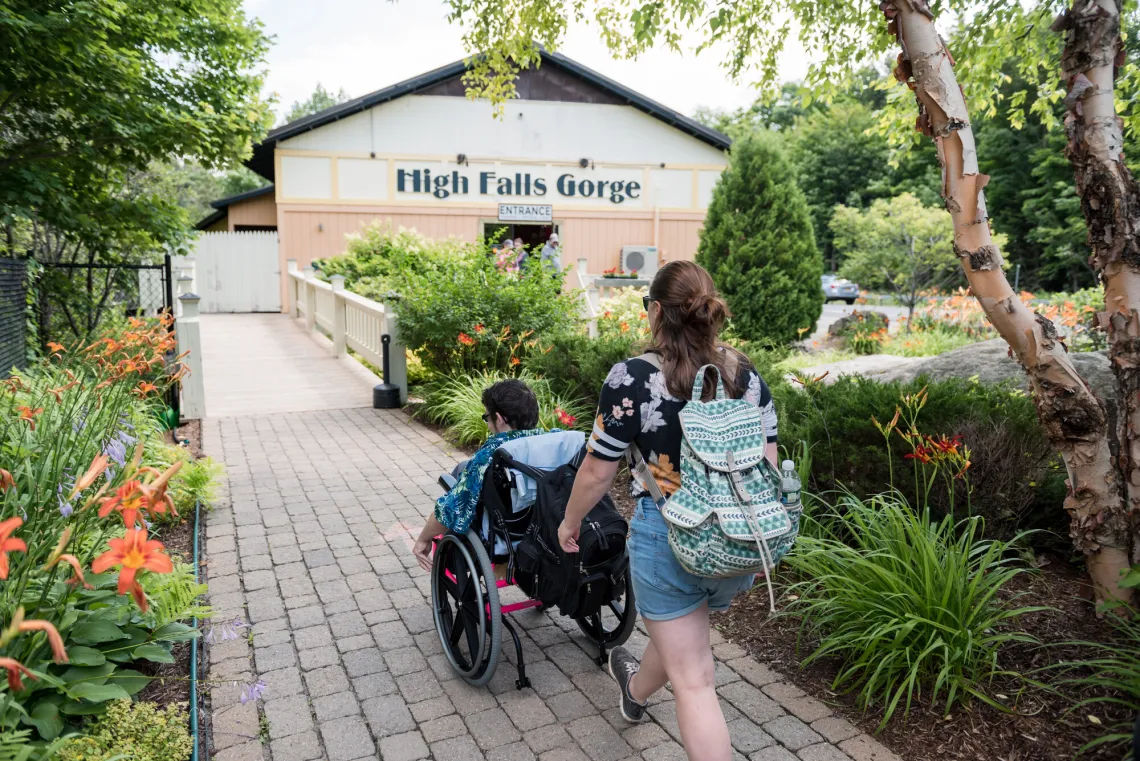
(469, 617)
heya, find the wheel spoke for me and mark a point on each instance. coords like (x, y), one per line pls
(618, 610)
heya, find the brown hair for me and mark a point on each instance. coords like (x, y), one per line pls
(688, 326)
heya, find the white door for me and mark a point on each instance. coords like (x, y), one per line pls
(237, 272)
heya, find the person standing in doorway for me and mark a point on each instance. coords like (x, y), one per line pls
(552, 254)
(640, 404)
(520, 247)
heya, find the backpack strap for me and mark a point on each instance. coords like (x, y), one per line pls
(640, 467)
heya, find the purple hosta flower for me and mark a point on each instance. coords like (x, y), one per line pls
(126, 438)
(116, 450)
(252, 691)
(64, 487)
(225, 632)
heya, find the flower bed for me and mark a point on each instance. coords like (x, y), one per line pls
(93, 604)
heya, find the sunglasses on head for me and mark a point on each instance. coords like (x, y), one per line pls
(645, 301)
(487, 416)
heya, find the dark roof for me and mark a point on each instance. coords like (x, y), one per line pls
(222, 205)
(262, 159)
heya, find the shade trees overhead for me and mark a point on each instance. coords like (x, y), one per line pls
(92, 93)
(843, 35)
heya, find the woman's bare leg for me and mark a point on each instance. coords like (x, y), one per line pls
(681, 649)
(650, 677)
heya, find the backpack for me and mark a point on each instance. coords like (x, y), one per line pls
(579, 584)
(727, 518)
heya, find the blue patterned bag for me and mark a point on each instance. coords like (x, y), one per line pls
(726, 519)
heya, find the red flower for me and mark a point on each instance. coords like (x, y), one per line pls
(564, 417)
(15, 668)
(515, 361)
(479, 328)
(922, 454)
(466, 340)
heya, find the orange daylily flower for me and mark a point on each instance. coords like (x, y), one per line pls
(465, 339)
(98, 465)
(145, 388)
(54, 347)
(129, 499)
(58, 556)
(133, 553)
(14, 384)
(9, 543)
(15, 669)
(135, 322)
(157, 500)
(29, 414)
(479, 328)
(59, 653)
(515, 361)
(6, 480)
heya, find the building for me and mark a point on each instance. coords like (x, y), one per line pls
(575, 153)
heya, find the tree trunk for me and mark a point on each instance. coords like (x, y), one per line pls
(1072, 416)
(1110, 201)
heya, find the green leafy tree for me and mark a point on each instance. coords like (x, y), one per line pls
(758, 245)
(838, 161)
(92, 93)
(779, 113)
(318, 101)
(897, 245)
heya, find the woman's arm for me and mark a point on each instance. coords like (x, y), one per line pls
(422, 548)
(591, 484)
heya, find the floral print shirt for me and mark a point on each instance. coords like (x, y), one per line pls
(635, 406)
(456, 509)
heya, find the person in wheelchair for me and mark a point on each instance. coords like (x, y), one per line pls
(511, 412)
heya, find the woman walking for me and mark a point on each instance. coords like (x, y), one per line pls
(639, 406)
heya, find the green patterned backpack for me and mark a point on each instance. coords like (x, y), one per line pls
(726, 519)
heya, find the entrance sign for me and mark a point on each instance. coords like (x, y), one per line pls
(525, 212)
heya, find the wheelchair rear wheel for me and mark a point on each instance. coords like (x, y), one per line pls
(615, 621)
(465, 604)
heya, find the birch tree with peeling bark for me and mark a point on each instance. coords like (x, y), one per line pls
(1110, 201)
(751, 33)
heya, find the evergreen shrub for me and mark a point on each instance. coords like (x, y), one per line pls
(758, 244)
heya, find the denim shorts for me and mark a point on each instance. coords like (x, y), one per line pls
(663, 589)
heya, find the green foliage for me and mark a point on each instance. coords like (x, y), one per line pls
(175, 596)
(1016, 484)
(93, 93)
(138, 731)
(576, 365)
(457, 402)
(457, 311)
(623, 314)
(318, 101)
(196, 482)
(1112, 675)
(897, 245)
(757, 244)
(829, 148)
(908, 605)
(193, 186)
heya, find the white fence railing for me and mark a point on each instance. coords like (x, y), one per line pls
(351, 321)
(589, 310)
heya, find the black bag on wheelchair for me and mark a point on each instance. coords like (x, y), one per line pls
(582, 583)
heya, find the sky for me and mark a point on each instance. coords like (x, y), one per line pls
(364, 45)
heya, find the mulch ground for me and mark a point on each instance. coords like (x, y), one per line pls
(1039, 726)
(171, 681)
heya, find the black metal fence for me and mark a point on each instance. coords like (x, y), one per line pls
(13, 313)
(75, 301)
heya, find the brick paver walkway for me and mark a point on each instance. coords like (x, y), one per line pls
(311, 548)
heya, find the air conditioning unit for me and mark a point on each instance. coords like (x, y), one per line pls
(640, 259)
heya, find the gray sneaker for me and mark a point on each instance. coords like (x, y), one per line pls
(622, 668)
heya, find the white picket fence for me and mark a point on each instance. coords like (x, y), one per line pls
(237, 272)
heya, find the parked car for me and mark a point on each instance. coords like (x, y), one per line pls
(835, 287)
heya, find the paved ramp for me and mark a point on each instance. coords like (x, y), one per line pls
(263, 364)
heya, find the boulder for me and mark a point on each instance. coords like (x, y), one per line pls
(846, 324)
(989, 361)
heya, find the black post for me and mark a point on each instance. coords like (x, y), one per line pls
(386, 396)
(173, 400)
